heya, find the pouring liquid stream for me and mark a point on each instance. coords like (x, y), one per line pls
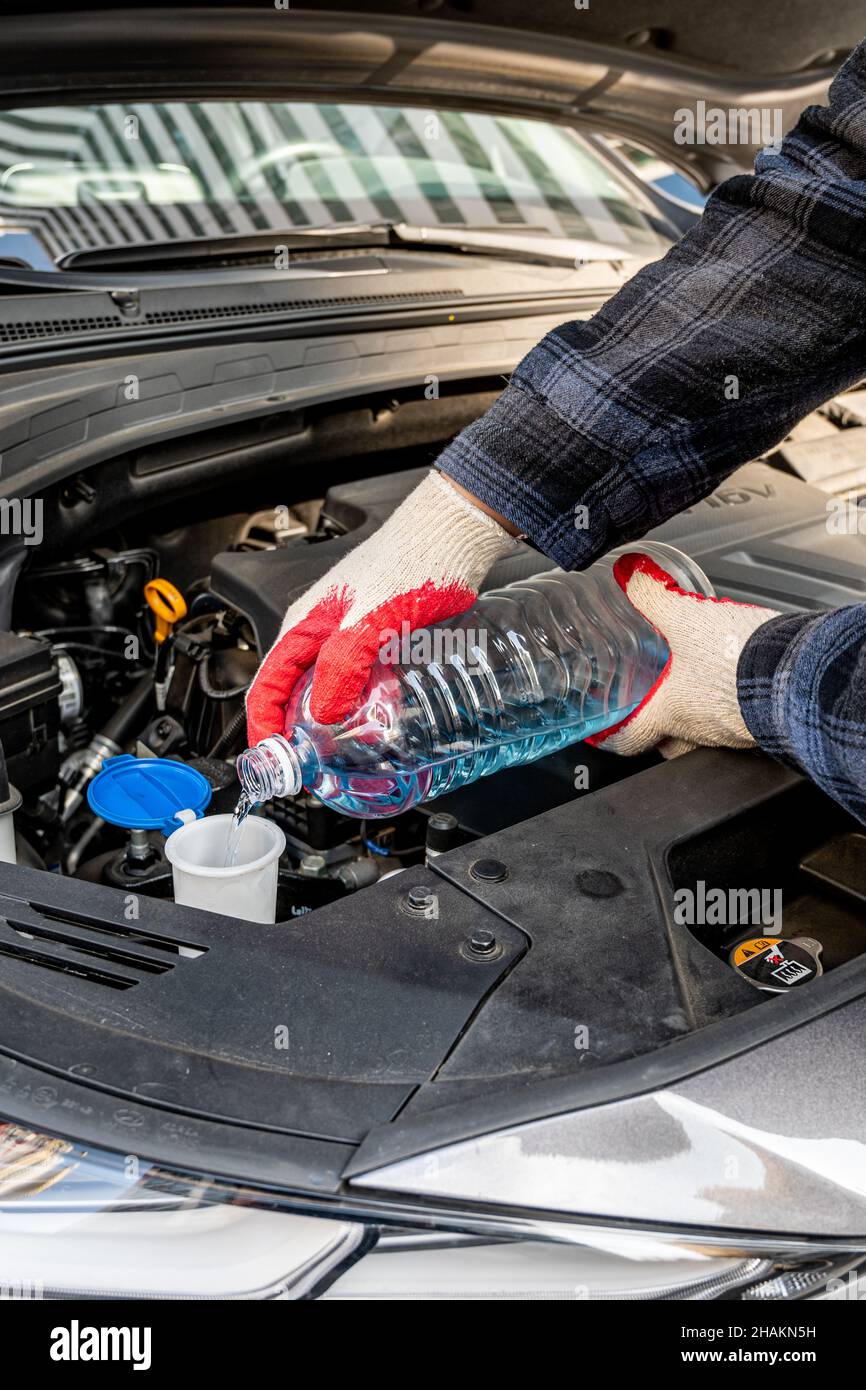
(235, 835)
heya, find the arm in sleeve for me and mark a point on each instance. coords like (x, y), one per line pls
(610, 426)
(801, 686)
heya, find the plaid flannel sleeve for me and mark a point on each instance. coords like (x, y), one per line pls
(801, 685)
(627, 416)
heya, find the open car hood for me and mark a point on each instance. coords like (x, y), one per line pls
(625, 66)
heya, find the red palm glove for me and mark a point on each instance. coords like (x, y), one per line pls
(694, 701)
(423, 566)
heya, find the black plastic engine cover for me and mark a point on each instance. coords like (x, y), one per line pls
(761, 537)
(321, 1027)
(612, 973)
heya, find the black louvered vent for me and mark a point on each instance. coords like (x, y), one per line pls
(91, 948)
(334, 301)
(28, 330)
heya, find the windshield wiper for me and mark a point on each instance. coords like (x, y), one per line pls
(534, 243)
(207, 253)
(236, 255)
(216, 258)
(211, 253)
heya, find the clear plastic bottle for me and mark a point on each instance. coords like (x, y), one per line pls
(530, 668)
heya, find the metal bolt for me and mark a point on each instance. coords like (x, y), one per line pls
(489, 870)
(482, 942)
(419, 898)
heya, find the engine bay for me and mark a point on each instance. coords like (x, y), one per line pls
(80, 679)
(520, 929)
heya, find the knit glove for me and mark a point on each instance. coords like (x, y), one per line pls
(423, 566)
(694, 701)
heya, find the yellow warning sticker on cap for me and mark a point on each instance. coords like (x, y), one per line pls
(753, 947)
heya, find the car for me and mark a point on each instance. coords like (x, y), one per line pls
(545, 1036)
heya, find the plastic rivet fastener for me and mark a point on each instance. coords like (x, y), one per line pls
(489, 870)
(598, 883)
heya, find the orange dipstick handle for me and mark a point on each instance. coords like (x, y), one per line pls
(167, 605)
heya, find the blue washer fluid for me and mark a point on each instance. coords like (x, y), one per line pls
(529, 669)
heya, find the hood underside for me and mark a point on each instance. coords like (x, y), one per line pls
(627, 67)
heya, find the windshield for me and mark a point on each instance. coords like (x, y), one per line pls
(85, 177)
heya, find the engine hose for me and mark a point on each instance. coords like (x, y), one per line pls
(228, 735)
(212, 691)
(125, 720)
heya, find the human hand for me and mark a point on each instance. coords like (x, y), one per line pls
(422, 566)
(694, 701)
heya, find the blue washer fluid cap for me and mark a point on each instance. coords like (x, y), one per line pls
(147, 793)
